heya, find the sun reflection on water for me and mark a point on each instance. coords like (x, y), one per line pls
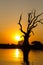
(17, 53)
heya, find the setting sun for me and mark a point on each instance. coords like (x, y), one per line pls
(17, 38)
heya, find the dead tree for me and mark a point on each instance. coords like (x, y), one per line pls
(33, 21)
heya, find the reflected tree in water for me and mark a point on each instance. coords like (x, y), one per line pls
(33, 21)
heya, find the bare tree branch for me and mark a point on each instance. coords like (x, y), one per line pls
(36, 17)
(33, 26)
(34, 13)
(32, 32)
(29, 20)
(35, 21)
(20, 24)
(32, 22)
(40, 21)
(22, 36)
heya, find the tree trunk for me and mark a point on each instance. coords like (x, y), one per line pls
(25, 54)
(25, 49)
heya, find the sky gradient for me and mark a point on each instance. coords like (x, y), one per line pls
(10, 11)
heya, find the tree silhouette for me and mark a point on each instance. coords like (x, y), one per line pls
(33, 21)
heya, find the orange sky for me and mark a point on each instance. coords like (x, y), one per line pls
(10, 11)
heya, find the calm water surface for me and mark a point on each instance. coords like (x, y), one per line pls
(15, 57)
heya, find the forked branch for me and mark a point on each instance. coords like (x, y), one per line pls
(33, 21)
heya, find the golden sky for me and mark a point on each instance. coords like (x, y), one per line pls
(10, 11)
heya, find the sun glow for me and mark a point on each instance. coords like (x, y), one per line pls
(17, 38)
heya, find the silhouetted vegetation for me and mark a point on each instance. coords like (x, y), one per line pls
(10, 46)
(37, 45)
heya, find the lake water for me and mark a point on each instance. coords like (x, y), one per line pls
(15, 57)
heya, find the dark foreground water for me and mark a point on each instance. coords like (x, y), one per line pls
(15, 57)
